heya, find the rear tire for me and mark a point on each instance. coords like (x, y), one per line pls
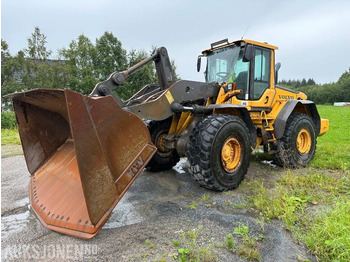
(297, 146)
(219, 152)
(163, 159)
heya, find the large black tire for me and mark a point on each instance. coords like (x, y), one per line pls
(207, 152)
(297, 146)
(163, 159)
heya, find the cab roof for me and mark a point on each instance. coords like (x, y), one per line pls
(224, 43)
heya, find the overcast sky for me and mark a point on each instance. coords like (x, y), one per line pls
(313, 36)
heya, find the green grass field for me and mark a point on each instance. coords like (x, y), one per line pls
(10, 143)
(314, 205)
(333, 148)
(10, 136)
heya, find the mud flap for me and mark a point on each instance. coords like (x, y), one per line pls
(83, 153)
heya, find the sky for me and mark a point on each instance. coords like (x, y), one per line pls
(313, 36)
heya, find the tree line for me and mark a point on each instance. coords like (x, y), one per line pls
(297, 83)
(78, 67)
(84, 63)
(322, 93)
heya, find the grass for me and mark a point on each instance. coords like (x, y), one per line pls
(205, 197)
(315, 207)
(10, 136)
(10, 143)
(247, 247)
(176, 243)
(251, 254)
(193, 205)
(230, 242)
(329, 234)
(191, 250)
(241, 230)
(149, 243)
(333, 148)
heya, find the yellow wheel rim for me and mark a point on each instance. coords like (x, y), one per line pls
(160, 144)
(304, 141)
(231, 154)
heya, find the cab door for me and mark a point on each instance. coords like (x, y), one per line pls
(262, 89)
(256, 80)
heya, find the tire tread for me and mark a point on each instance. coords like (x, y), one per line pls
(199, 148)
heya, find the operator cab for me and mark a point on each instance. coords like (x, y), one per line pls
(245, 63)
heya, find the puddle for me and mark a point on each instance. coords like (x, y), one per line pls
(123, 215)
(22, 202)
(13, 223)
(180, 165)
(258, 151)
(269, 163)
(16, 222)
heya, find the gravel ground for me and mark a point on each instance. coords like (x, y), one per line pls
(153, 215)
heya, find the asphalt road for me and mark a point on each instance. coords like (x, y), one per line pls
(154, 214)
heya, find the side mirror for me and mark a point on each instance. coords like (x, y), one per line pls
(248, 53)
(277, 67)
(199, 62)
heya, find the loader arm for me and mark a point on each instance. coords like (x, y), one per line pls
(163, 68)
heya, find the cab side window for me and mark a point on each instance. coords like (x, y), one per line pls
(241, 76)
(261, 72)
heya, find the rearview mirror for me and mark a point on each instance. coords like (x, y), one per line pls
(248, 53)
(199, 62)
(277, 67)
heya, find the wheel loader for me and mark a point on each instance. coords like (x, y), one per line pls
(84, 152)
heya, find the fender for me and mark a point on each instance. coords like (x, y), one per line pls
(243, 114)
(229, 109)
(282, 117)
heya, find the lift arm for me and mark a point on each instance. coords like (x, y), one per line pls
(163, 68)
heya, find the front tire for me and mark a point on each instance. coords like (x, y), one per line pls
(164, 158)
(297, 146)
(219, 152)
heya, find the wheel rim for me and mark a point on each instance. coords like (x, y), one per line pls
(303, 142)
(231, 154)
(160, 144)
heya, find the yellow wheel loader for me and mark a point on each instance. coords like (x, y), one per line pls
(84, 152)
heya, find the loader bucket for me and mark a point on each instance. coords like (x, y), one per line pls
(83, 153)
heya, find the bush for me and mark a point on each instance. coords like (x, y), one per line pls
(8, 120)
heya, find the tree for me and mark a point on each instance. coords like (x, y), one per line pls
(110, 56)
(303, 82)
(80, 66)
(37, 46)
(141, 77)
(80, 61)
(12, 69)
(39, 71)
(344, 86)
(310, 82)
(9, 65)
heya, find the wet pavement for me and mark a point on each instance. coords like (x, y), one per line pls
(158, 209)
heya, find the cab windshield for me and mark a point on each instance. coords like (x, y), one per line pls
(224, 65)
